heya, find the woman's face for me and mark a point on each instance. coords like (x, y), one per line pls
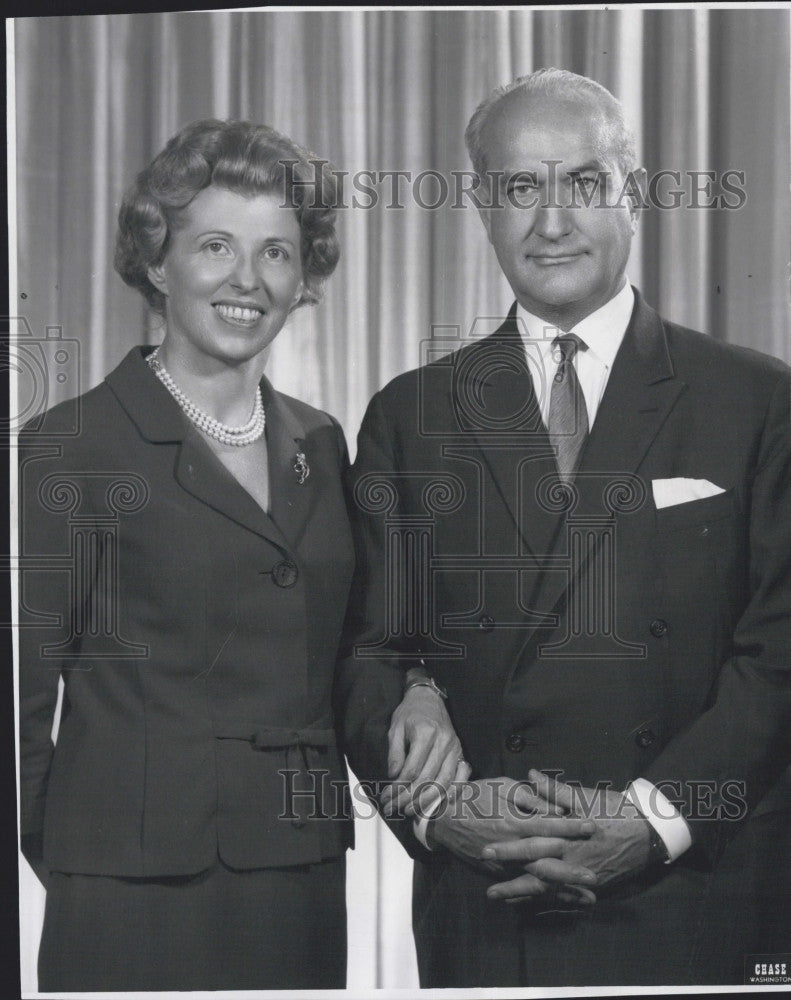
(231, 275)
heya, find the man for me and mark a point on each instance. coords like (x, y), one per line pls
(594, 505)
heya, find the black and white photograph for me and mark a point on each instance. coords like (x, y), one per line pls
(399, 445)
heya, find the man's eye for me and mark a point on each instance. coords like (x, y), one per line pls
(522, 183)
(587, 182)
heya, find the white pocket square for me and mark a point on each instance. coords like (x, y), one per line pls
(669, 492)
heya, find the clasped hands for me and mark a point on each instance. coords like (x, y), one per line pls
(597, 839)
(558, 841)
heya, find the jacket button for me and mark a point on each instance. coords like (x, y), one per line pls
(285, 574)
(515, 743)
(486, 623)
(645, 737)
(658, 627)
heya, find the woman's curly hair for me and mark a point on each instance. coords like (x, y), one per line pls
(243, 157)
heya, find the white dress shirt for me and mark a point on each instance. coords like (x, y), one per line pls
(603, 332)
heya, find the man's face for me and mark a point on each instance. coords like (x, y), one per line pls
(563, 260)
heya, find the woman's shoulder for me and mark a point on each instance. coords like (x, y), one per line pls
(71, 418)
(82, 420)
(311, 417)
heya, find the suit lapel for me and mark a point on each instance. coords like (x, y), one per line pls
(511, 438)
(291, 500)
(203, 476)
(641, 392)
(197, 469)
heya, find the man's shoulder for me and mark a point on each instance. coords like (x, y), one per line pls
(442, 375)
(694, 353)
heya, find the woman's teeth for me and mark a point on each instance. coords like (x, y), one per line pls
(238, 313)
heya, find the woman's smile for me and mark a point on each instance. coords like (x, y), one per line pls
(239, 315)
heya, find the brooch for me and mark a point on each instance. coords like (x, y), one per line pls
(301, 467)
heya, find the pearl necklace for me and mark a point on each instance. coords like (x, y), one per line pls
(237, 436)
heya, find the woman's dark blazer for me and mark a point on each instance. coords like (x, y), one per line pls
(195, 634)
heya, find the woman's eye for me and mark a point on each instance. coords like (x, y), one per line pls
(275, 253)
(217, 248)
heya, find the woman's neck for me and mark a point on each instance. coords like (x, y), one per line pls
(222, 390)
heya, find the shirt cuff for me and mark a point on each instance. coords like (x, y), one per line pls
(420, 824)
(663, 816)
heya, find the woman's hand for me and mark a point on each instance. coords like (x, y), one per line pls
(425, 753)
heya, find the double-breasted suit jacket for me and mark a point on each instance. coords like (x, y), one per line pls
(589, 633)
(195, 634)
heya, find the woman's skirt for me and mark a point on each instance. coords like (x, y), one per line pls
(272, 928)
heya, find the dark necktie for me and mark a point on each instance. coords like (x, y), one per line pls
(568, 416)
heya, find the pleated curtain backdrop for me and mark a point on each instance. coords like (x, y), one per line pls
(378, 90)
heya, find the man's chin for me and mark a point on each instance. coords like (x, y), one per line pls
(555, 295)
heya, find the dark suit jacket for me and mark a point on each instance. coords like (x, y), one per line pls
(592, 635)
(195, 634)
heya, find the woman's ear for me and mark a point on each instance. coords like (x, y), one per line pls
(297, 295)
(156, 275)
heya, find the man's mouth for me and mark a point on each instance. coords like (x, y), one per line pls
(551, 260)
(240, 315)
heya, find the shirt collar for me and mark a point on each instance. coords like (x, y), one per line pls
(602, 331)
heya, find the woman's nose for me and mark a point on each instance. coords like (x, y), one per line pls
(245, 275)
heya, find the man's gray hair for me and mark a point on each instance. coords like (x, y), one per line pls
(617, 139)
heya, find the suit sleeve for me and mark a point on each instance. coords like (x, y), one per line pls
(732, 754)
(55, 587)
(372, 665)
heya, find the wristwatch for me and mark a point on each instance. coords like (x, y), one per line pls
(428, 682)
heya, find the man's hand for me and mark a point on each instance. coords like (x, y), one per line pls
(479, 813)
(425, 753)
(618, 848)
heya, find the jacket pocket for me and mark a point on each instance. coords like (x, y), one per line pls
(699, 512)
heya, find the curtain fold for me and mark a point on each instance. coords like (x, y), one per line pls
(386, 91)
(392, 91)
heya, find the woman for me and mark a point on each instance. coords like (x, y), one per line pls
(189, 821)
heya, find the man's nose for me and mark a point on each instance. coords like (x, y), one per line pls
(553, 221)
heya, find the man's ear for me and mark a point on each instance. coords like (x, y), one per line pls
(635, 192)
(156, 275)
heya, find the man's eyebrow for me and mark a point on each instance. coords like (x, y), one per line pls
(597, 166)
